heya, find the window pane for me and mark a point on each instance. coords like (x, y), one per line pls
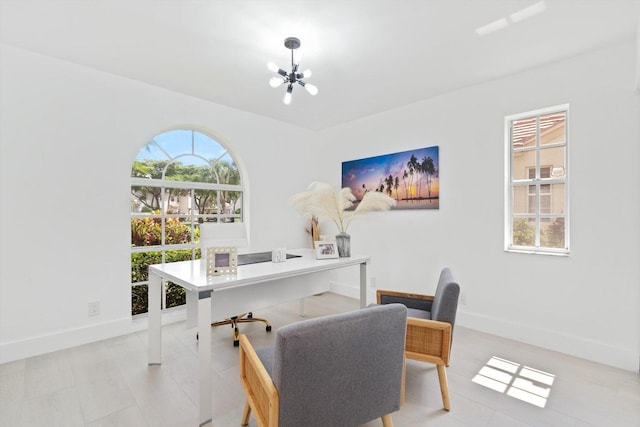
(553, 159)
(523, 133)
(140, 262)
(139, 299)
(177, 230)
(208, 147)
(145, 199)
(175, 142)
(523, 202)
(552, 128)
(176, 201)
(206, 202)
(146, 231)
(552, 233)
(523, 162)
(524, 231)
(557, 199)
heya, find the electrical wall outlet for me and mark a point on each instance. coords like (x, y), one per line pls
(94, 308)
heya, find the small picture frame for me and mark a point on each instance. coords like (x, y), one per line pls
(222, 261)
(326, 249)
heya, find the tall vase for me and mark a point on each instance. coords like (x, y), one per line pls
(343, 241)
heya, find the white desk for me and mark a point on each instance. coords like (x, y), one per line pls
(255, 286)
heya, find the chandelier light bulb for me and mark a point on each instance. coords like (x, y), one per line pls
(287, 98)
(313, 90)
(272, 67)
(306, 74)
(276, 81)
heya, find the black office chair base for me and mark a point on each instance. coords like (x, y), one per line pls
(241, 318)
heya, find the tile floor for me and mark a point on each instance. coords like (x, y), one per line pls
(493, 382)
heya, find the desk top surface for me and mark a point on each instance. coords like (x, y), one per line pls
(191, 274)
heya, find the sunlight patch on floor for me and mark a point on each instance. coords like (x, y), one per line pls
(513, 379)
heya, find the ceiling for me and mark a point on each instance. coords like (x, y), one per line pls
(367, 56)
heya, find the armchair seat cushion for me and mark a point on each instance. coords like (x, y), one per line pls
(419, 314)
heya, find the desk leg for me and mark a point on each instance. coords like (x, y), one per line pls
(363, 285)
(155, 319)
(204, 355)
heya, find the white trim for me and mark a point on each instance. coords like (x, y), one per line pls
(345, 289)
(509, 182)
(554, 340)
(61, 340)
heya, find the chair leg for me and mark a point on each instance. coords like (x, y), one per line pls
(387, 421)
(241, 318)
(245, 414)
(444, 388)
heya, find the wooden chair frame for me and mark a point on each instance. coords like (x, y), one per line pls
(427, 341)
(262, 395)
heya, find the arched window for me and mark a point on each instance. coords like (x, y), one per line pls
(179, 180)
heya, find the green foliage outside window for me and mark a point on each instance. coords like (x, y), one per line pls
(147, 232)
(551, 236)
(523, 234)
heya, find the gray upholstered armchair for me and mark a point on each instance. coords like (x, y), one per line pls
(430, 325)
(341, 370)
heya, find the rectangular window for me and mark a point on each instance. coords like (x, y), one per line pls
(536, 190)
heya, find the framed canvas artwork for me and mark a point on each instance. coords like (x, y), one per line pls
(411, 177)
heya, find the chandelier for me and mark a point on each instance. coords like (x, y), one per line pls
(294, 76)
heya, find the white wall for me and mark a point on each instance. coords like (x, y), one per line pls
(68, 137)
(69, 134)
(586, 304)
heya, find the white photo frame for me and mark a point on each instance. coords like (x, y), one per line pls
(222, 260)
(326, 249)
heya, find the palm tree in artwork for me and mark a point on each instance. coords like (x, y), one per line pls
(396, 184)
(405, 176)
(389, 181)
(412, 164)
(429, 170)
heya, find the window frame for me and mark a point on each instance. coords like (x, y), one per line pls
(193, 218)
(512, 183)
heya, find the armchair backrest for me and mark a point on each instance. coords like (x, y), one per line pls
(340, 370)
(445, 301)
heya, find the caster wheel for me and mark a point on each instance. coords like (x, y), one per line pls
(250, 316)
(236, 343)
(268, 328)
(197, 337)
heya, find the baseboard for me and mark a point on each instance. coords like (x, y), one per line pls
(549, 339)
(34, 346)
(582, 347)
(345, 289)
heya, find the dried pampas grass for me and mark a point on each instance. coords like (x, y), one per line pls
(320, 200)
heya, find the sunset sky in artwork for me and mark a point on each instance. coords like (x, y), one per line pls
(369, 173)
